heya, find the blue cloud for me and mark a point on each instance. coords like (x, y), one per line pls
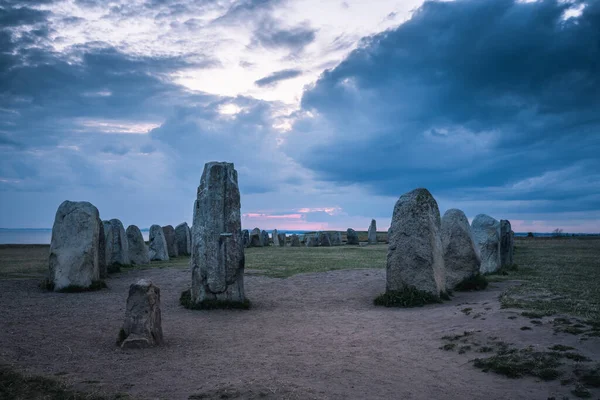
(278, 76)
(270, 34)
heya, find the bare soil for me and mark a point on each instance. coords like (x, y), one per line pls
(310, 336)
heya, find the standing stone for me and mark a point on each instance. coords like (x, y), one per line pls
(312, 240)
(117, 248)
(256, 238)
(486, 232)
(157, 249)
(461, 258)
(265, 238)
(336, 238)
(142, 327)
(295, 240)
(171, 240)
(351, 236)
(415, 257)
(74, 247)
(103, 271)
(183, 237)
(372, 235)
(246, 237)
(281, 238)
(217, 245)
(506, 243)
(324, 239)
(138, 251)
(275, 237)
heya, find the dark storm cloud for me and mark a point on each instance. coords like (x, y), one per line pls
(466, 94)
(270, 33)
(278, 76)
(19, 16)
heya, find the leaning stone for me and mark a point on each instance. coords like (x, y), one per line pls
(157, 249)
(256, 239)
(486, 233)
(324, 239)
(275, 237)
(142, 326)
(372, 234)
(415, 259)
(217, 261)
(74, 247)
(171, 240)
(295, 240)
(183, 237)
(281, 239)
(117, 248)
(461, 258)
(138, 251)
(506, 243)
(265, 238)
(351, 236)
(336, 238)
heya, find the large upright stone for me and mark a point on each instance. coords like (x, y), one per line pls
(372, 234)
(74, 247)
(217, 244)
(336, 238)
(294, 240)
(157, 248)
(183, 237)
(312, 240)
(171, 240)
(102, 268)
(506, 243)
(117, 248)
(281, 239)
(256, 238)
(142, 327)
(486, 233)
(246, 236)
(351, 236)
(461, 258)
(275, 238)
(415, 258)
(265, 238)
(324, 239)
(138, 251)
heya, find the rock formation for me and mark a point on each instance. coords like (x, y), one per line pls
(506, 243)
(372, 234)
(217, 244)
(281, 239)
(415, 258)
(265, 238)
(324, 239)
(336, 238)
(138, 251)
(461, 258)
(142, 327)
(183, 237)
(294, 240)
(275, 238)
(351, 236)
(256, 238)
(157, 248)
(117, 248)
(486, 233)
(171, 240)
(312, 240)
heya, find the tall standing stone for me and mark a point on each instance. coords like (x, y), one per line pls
(415, 258)
(265, 238)
(372, 234)
(275, 238)
(117, 248)
(461, 258)
(256, 238)
(294, 241)
(336, 238)
(138, 251)
(217, 245)
(506, 243)
(246, 236)
(324, 239)
(486, 232)
(157, 248)
(183, 237)
(281, 238)
(351, 236)
(312, 240)
(171, 240)
(74, 247)
(142, 326)
(102, 268)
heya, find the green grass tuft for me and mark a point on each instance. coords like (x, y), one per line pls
(186, 300)
(477, 282)
(581, 392)
(526, 362)
(409, 297)
(525, 328)
(560, 347)
(589, 376)
(448, 346)
(122, 336)
(536, 314)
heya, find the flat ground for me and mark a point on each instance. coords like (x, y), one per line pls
(312, 331)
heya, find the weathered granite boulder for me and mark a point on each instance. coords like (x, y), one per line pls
(336, 238)
(138, 251)
(275, 237)
(102, 268)
(506, 243)
(372, 234)
(266, 241)
(217, 244)
(486, 233)
(142, 327)
(294, 240)
(246, 237)
(281, 238)
(183, 237)
(256, 238)
(171, 239)
(312, 240)
(324, 239)
(117, 248)
(461, 258)
(74, 247)
(415, 258)
(157, 248)
(351, 236)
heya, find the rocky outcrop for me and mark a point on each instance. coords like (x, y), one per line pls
(486, 233)
(217, 245)
(157, 247)
(294, 240)
(142, 327)
(461, 258)
(171, 239)
(351, 237)
(415, 258)
(117, 248)
(183, 237)
(74, 247)
(506, 243)
(372, 234)
(138, 251)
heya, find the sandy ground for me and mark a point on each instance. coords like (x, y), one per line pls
(310, 336)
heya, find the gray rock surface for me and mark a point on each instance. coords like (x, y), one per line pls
(415, 256)
(183, 237)
(217, 244)
(266, 241)
(461, 258)
(157, 247)
(486, 233)
(275, 237)
(312, 240)
(372, 234)
(294, 240)
(142, 327)
(246, 237)
(506, 243)
(102, 268)
(74, 247)
(281, 238)
(256, 238)
(324, 239)
(351, 236)
(336, 238)
(138, 251)
(117, 248)
(171, 239)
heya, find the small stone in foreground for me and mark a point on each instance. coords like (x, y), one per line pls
(142, 326)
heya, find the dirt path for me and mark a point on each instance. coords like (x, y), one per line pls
(309, 336)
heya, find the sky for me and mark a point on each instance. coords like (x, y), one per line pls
(330, 110)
